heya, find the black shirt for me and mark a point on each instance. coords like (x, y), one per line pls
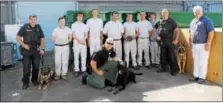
(102, 56)
(31, 35)
(167, 29)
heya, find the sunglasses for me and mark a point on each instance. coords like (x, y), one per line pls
(110, 43)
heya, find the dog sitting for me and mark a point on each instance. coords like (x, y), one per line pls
(181, 57)
(45, 77)
(124, 77)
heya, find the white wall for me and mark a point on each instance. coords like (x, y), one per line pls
(47, 15)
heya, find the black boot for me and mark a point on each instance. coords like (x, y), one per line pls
(84, 80)
(25, 86)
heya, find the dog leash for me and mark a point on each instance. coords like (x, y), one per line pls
(42, 59)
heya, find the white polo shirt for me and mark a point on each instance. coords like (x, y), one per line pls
(114, 29)
(79, 29)
(95, 27)
(144, 28)
(130, 28)
(62, 35)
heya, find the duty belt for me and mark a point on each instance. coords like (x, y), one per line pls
(61, 44)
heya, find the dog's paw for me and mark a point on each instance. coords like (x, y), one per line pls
(45, 87)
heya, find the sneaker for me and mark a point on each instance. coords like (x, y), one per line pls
(137, 67)
(64, 77)
(201, 81)
(148, 67)
(157, 66)
(194, 79)
(160, 70)
(25, 86)
(76, 74)
(174, 73)
(56, 77)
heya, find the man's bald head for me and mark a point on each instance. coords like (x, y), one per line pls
(165, 14)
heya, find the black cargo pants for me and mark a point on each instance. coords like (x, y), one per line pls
(31, 59)
(168, 56)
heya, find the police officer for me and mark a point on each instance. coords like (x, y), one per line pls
(95, 26)
(168, 27)
(32, 47)
(154, 47)
(115, 30)
(130, 35)
(201, 36)
(145, 30)
(104, 65)
(61, 36)
(80, 36)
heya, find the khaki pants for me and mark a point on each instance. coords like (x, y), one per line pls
(110, 71)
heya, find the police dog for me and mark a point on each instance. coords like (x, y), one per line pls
(181, 57)
(46, 75)
(124, 77)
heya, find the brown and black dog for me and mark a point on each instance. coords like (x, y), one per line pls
(181, 57)
(45, 77)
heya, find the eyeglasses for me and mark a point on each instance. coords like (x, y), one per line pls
(110, 43)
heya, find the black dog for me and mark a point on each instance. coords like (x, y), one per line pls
(124, 77)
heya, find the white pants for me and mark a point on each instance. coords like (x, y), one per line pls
(94, 45)
(130, 47)
(155, 52)
(143, 45)
(61, 59)
(79, 50)
(200, 57)
(118, 48)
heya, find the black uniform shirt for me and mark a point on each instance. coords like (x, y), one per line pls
(31, 35)
(102, 56)
(167, 29)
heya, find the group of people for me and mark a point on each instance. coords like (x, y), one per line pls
(149, 36)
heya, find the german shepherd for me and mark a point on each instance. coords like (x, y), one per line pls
(181, 57)
(125, 76)
(46, 75)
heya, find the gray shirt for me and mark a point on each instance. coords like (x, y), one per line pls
(155, 34)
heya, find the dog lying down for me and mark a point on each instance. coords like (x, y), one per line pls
(124, 77)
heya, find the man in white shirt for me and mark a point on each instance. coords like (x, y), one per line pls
(79, 30)
(145, 30)
(95, 26)
(61, 36)
(115, 30)
(130, 34)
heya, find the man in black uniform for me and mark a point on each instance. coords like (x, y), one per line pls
(104, 68)
(167, 28)
(32, 47)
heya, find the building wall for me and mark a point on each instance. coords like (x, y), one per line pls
(5, 12)
(131, 5)
(47, 15)
(208, 6)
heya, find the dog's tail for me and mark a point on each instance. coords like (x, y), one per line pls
(138, 73)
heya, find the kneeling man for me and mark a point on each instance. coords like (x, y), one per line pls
(104, 65)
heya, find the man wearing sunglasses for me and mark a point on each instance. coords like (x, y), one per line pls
(104, 65)
(32, 47)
